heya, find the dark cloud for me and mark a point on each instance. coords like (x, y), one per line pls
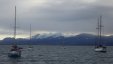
(58, 15)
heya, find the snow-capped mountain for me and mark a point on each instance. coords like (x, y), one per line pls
(48, 35)
(56, 35)
(60, 39)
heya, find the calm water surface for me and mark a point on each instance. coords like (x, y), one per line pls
(41, 54)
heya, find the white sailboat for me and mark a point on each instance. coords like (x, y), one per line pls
(15, 50)
(30, 47)
(99, 45)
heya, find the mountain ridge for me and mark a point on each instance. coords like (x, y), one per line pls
(60, 39)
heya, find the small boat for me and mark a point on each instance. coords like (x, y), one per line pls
(15, 51)
(99, 44)
(30, 47)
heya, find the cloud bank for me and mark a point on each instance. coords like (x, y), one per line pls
(77, 16)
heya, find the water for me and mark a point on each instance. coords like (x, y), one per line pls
(41, 54)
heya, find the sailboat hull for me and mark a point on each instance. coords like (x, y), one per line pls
(100, 49)
(14, 54)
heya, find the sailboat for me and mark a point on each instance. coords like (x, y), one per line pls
(99, 45)
(15, 50)
(30, 47)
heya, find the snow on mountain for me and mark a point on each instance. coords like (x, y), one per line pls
(47, 35)
(55, 35)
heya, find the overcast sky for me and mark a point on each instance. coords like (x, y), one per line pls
(69, 16)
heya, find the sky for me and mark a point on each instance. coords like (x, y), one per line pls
(62, 16)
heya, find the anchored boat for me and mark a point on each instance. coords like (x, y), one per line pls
(99, 47)
(15, 51)
(30, 46)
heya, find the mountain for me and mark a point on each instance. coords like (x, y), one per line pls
(49, 35)
(60, 39)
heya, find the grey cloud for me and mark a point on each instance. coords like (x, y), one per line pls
(59, 15)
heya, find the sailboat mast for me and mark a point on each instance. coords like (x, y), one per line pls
(100, 29)
(30, 31)
(15, 25)
(98, 36)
